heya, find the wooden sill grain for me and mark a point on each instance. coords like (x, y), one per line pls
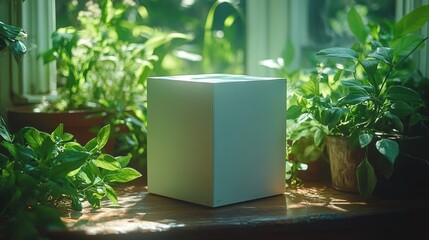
(313, 211)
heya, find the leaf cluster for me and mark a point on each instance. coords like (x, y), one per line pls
(39, 171)
(366, 99)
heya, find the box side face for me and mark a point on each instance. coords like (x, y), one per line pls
(250, 141)
(180, 141)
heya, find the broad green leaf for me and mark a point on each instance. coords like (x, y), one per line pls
(332, 116)
(356, 25)
(370, 67)
(107, 162)
(353, 85)
(33, 138)
(10, 148)
(24, 154)
(293, 112)
(68, 161)
(4, 133)
(397, 123)
(365, 139)
(124, 160)
(319, 135)
(415, 118)
(123, 175)
(111, 194)
(366, 178)
(401, 109)
(389, 149)
(338, 52)
(400, 93)
(103, 136)
(354, 98)
(384, 54)
(67, 137)
(405, 45)
(57, 134)
(411, 22)
(91, 145)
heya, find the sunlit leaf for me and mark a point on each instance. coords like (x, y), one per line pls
(356, 25)
(411, 22)
(338, 52)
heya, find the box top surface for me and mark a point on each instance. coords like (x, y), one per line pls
(215, 78)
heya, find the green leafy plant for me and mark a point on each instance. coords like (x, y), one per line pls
(357, 93)
(103, 63)
(39, 171)
(12, 37)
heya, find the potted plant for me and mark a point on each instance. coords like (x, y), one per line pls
(12, 37)
(102, 64)
(40, 171)
(360, 100)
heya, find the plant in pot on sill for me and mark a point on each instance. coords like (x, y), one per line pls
(102, 66)
(367, 108)
(42, 172)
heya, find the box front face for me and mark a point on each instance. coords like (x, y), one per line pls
(180, 140)
(250, 138)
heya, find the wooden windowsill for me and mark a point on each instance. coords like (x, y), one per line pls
(313, 211)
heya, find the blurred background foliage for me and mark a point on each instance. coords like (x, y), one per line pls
(216, 27)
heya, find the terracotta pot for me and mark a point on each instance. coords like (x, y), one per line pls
(343, 162)
(82, 123)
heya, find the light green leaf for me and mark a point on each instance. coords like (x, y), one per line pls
(107, 162)
(366, 178)
(103, 136)
(338, 52)
(288, 53)
(389, 149)
(319, 135)
(111, 194)
(57, 134)
(411, 22)
(124, 160)
(123, 175)
(353, 85)
(365, 139)
(356, 25)
(4, 133)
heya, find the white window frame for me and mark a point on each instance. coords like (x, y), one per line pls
(38, 79)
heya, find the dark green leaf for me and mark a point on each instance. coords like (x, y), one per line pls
(68, 161)
(411, 22)
(415, 118)
(370, 67)
(400, 93)
(401, 109)
(397, 123)
(366, 178)
(332, 116)
(4, 133)
(293, 112)
(338, 52)
(354, 98)
(356, 25)
(365, 139)
(103, 136)
(384, 54)
(405, 45)
(389, 149)
(353, 85)
(107, 162)
(123, 175)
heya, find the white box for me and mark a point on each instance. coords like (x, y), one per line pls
(216, 139)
